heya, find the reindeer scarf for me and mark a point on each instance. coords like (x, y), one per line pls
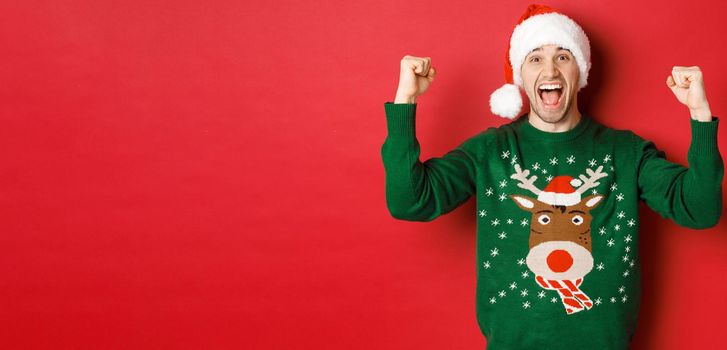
(571, 296)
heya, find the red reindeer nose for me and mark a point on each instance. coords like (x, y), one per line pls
(559, 260)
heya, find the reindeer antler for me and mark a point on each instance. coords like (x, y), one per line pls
(590, 182)
(525, 183)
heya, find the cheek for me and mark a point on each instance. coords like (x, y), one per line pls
(528, 83)
(573, 76)
(527, 76)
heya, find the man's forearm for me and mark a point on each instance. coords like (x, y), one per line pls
(691, 197)
(421, 191)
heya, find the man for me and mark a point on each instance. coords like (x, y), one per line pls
(557, 192)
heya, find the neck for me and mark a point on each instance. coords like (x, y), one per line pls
(568, 122)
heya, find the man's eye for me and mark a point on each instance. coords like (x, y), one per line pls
(565, 57)
(534, 59)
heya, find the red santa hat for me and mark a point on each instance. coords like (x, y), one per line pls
(539, 25)
(560, 191)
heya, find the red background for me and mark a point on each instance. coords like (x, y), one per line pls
(196, 174)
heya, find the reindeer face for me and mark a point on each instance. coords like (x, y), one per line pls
(560, 237)
(558, 222)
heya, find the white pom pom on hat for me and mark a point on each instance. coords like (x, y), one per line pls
(506, 101)
(539, 25)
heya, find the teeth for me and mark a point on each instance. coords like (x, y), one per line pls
(550, 87)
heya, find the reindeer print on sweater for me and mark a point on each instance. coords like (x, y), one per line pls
(560, 234)
(560, 245)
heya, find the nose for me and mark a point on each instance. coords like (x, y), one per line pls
(550, 71)
(559, 260)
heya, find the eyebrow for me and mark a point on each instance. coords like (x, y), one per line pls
(541, 49)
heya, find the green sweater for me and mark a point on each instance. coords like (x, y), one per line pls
(557, 219)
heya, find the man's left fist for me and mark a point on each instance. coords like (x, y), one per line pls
(687, 85)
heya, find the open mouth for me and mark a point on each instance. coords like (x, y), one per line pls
(551, 95)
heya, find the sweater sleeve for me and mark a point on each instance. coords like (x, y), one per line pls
(417, 191)
(691, 197)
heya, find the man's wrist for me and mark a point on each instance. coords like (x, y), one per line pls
(701, 114)
(405, 99)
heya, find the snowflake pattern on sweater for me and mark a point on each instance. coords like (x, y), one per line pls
(562, 255)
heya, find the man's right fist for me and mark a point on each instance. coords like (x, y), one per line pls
(414, 79)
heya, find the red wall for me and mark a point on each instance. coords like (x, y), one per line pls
(207, 174)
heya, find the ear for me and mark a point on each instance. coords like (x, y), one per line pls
(524, 202)
(593, 201)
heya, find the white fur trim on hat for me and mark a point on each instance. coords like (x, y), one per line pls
(549, 29)
(506, 101)
(554, 198)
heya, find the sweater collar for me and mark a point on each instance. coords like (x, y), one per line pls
(534, 134)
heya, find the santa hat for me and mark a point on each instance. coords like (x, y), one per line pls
(560, 191)
(539, 25)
